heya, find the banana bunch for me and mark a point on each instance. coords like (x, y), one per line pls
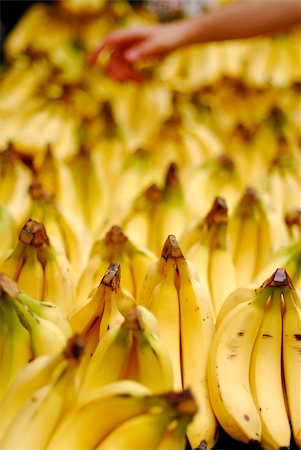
(40, 397)
(115, 247)
(126, 414)
(56, 127)
(254, 364)
(206, 245)
(35, 256)
(66, 232)
(187, 70)
(186, 326)
(103, 310)
(38, 18)
(131, 350)
(273, 61)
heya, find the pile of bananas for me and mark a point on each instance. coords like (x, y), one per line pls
(150, 255)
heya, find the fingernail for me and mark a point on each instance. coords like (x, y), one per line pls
(131, 55)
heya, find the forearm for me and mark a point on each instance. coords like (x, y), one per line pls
(243, 19)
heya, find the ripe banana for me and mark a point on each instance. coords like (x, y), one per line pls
(291, 347)
(164, 304)
(96, 417)
(265, 366)
(228, 366)
(196, 334)
(41, 413)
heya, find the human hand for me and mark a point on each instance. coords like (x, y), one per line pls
(132, 45)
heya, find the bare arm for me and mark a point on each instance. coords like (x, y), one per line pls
(239, 20)
(242, 19)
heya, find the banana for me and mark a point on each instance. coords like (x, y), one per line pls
(8, 231)
(171, 214)
(221, 269)
(109, 359)
(45, 336)
(214, 176)
(145, 431)
(48, 311)
(66, 232)
(229, 362)
(15, 180)
(196, 334)
(32, 234)
(266, 365)
(32, 270)
(59, 285)
(164, 304)
(249, 231)
(111, 248)
(137, 223)
(239, 295)
(291, 332)
(149, 361)
(96, 417)
(152, 278)
(174, 437)
(151, 428)
(13, 261)
(29, 379)
(54, 282)
(131, 350)
(91, 191)
(103, 310)
(16, 347)
(40, 415)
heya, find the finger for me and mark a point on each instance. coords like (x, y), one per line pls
(143, 50)
(120, 39)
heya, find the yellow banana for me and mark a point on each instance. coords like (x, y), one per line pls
(45, 336)
(40, 415)
(171, 214)
(228, 366)
(291, 348)
(29, 379)
(164, 304)
(111, 248)
(96, 417)
(266, 366)
(196, 334)
(8, 230)
(16, 348)
(48, 311)
(109, 359)
(31, 270)
(58, 279)
(145, 430)
(239, 295)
